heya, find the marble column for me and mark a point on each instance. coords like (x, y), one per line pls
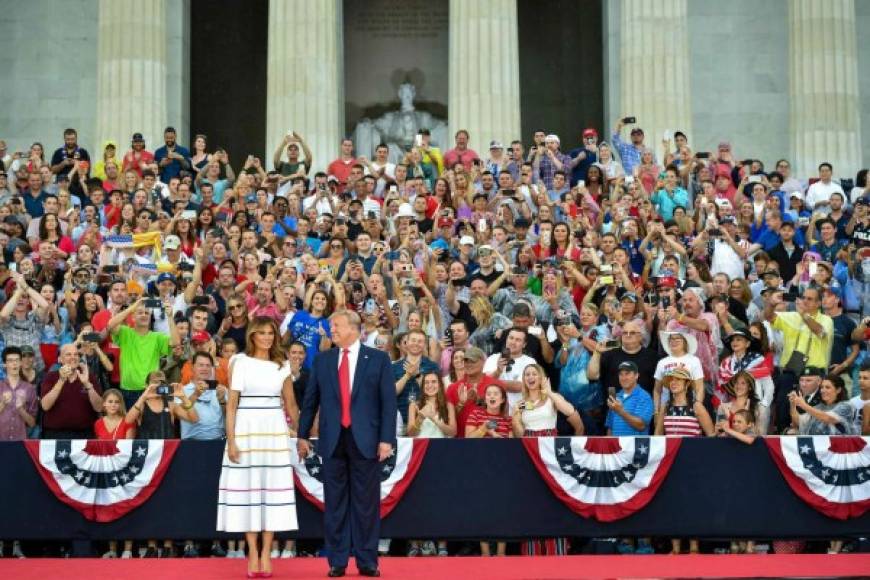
(825, 105)
(484, 91)
(305, 76)
(654, 68)
(131, 72)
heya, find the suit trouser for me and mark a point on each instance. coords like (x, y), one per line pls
(352, 490)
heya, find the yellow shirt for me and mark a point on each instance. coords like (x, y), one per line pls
(434, 158)
(795, 333)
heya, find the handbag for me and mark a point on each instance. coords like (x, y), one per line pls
(797, 362)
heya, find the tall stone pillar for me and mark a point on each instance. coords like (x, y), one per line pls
(304, 76)
(484, 92)
(825, 106)
(131, 72)
(654, 68)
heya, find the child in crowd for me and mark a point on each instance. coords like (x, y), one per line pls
(743, 429)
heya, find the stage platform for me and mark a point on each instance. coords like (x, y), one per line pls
(506, 568)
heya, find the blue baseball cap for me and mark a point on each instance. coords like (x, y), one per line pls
(166, 276)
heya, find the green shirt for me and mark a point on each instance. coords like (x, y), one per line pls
(140, 355)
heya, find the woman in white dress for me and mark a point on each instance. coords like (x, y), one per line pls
(256, 486)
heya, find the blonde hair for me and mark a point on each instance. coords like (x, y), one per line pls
(109, 392)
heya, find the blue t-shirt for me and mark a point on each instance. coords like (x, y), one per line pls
(174, 168)
(303, 327)
(639, 404)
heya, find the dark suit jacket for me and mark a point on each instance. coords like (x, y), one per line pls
(372, 402)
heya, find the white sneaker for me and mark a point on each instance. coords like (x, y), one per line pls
(110, 554)
(231, 553)
(276, 553)
(288, 553)
(240, 554)
(126, 555)
(16, 550)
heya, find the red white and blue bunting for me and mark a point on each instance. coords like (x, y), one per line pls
(103, 480)
(832, 474)
(397, 473)
(605, 478)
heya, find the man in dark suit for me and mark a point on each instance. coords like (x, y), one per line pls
(354, 389)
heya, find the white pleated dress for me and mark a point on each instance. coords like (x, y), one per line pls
(257, 493)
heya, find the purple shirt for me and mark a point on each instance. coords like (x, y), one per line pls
(12, 426)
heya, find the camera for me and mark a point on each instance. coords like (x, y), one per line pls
(212, 384)
(510, 362)
(164, 390)
(715, 232)
(92, 337)
(200, 300)
(185, 266)
(406, 283)
(153, 303)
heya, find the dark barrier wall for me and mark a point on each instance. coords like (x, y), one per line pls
(716, 488)
(561, 68)
(228, 41)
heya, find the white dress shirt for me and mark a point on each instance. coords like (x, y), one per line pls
(352, 356)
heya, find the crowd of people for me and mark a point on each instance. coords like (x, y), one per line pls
(616, 288)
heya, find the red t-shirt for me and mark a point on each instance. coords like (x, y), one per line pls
(132, 161)
(102, 432)
(452, 395)
(341, 170)
(479, 416)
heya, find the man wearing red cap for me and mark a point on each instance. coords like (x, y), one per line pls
(583, 157)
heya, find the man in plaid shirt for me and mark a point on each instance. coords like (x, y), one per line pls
(549, 160)
(629, 153)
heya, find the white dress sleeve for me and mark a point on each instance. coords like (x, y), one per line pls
(237, 372)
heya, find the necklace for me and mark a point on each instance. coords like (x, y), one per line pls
(112, 432)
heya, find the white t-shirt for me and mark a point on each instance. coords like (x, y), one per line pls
(688, 361)
(821, 192)
(726, 260)
(381, 184)
(515, 374)
(857, 403)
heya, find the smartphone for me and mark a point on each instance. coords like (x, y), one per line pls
(200, 300)
(448, 336)
(715, 232)
(581, 183)
(111, 269)
(612, 343)
(754, 179)
(803, 222)
(371, 307)
(491, 424)
(666, 135)
(812, 268)
(702, 155)
(746, 162)
(481, 225)
(188, 214)
(629, 120)
(535, 330)
(393, 189)
(508, 192)
(92, 337)
(406, 283)
(666, 302)
(339, 221)
(418, 140)
(629, 179)
(185, 266)
(212, 384)
(611, 392)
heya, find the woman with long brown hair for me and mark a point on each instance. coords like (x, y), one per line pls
(256, 492)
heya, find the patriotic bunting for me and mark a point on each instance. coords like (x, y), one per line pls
(103, 480)
(605, 478)
(831, 474)
(397, 473)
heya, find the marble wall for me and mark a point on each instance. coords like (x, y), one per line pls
(862, 40)
(48, 67)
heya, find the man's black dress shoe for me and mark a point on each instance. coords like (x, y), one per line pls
(372, 572)
(335, 572)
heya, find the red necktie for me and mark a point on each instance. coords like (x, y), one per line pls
(344, 387)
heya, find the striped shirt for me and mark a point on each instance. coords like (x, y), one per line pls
(680, 421)
(639, 404)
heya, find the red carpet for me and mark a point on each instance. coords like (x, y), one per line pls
(512, 567)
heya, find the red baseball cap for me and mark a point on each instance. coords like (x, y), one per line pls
(667, 282)
(590, 132)
(445, 223)
(200, 336)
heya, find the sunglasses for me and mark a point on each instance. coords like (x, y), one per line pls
(236, 307)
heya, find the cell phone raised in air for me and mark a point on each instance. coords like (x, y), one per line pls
(629, 120)
(92, 337)
(200, 300)
(212, 384)
(152, 303)
(111, 269)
